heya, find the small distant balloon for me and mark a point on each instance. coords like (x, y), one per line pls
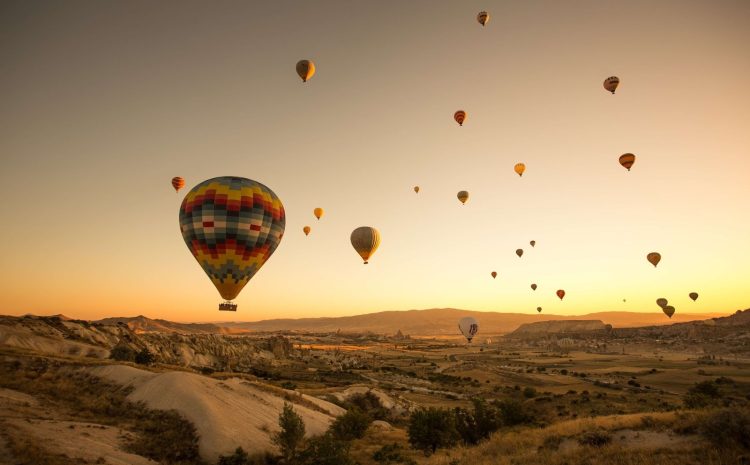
(494, 274)
(519, 168)
(560, 293)
(178, 183)
(483, 17)
(416, 189)
(694, 296)
(668, 310)
(627, 160)
(365, 241)
(654, 258)
(305, 69)
(306, 230)
(519, 252)
(532, 243)
(611, 83)
(318, 212)
(463, 196)
(460, 117)
(661, 302)
(539, 309)
(533, 287)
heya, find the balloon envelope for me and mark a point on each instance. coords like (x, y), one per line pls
(231, 225)
(661, 302)
(694, 296)
(463, 196)
(519, 168)
(539, 309)
(305, 69)
(533, 287)
(519, 252)
(494, 274)
(365, 241)
(416, 189)
(654, 258)
(460, 117)
(178, 183)
(627, 160)
(468, 327)
(318, 212)
(560, 293)
(532, 243)
(668, 310)
(306, 230)
(483, 17)
(611, 83)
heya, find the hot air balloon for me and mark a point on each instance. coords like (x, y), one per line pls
(305, 69)
(627, 160)
(483, 17)
(318, 212)
(661, 302)
(232, 226)
(519, 168)
(463, 196)
(365, 241)
(694, 296)
(611, 83)
(468, 327)
(668, 310)
(416, 189)
(539, 309)
(460, 117)
(560, 293)
(306, 230)
(533, 287)
(494, 274)
(532, 243)
(519, 252)
(178, 183)
(624, 300)
(654, 258)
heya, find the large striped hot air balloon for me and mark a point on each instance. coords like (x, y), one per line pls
(178, 183)
(231, 225)
(365, 241)
(305, 69)
(654, 258)
(519, 168)
(611, 83)
(483, 17)
(627, 160)
(460, 117)
(463, 196)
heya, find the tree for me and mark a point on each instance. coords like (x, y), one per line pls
(432, 428)
(479, 424)
(512, 412)
(122, 353)
(144, 357)
(326, 450)
(351, 425)
(291, 435)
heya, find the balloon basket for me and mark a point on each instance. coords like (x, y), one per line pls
(227, 307)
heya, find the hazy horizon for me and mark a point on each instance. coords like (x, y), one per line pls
(104, 102)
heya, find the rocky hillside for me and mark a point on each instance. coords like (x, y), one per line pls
(558, 327)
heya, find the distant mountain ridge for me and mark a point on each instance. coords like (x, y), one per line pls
(557, 327)
(431, 322)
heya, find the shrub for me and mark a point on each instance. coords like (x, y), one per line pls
(325, 450)
(432, 428)
(702, 395)
(144, 357)
(529, 392)
(391, 454)
(351, 425)
(727, 428)
(292, 433)
(122, 353)
(512, 412)
(595, 438)
(368, 403)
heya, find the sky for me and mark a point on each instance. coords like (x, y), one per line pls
(103, 102)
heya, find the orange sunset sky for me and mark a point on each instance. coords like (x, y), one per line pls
(104, 102)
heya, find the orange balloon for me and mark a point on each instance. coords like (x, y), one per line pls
(560, 293)
(178, 183)
(460, 117)
(306, 230)
(494, 274)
